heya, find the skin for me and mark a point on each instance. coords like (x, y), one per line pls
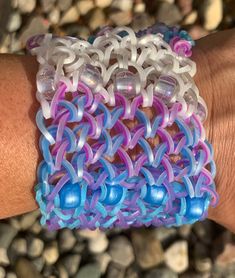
(19, 149)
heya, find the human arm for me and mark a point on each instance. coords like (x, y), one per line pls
(19, 135)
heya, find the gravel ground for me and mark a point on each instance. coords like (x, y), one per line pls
(28, 250)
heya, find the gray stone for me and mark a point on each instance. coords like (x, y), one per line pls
(70, 16)
(67, 240)
(161, 273)
(35, 247)
(115, 271)
(51, 253)
(71, 263)
(48, 236)
(47, 5)
(131, 272)
(84, 6)
(203, 230)
(49, 271)
(121, 251)
(148, 249)
(62, 271)
(79, 247)
(141, 21)
(64, 5)
(89, 270)
(99, 244)
(185, 6)
(26, 6)
(121, 18)
(25, 269)
(2, 272)
(15, 222)
(7, 233)
(14, 22)
(39, 263)
(96, 19)
(168, 13)
(38, 25)
(103, 260)
(176, 256)
(185, 230)
(54, 16)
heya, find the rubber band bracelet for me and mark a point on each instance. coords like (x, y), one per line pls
(122, 134)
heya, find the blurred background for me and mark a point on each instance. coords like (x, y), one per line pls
(28, 250)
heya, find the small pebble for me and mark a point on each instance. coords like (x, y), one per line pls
(70, 16)
(168, 13)
(176, 256)
(25, 269)
(84, 6)
(203, 265)
(161, 272)
(185, 230)
(7, 233)
(35, 247)
(66, 241)
(87, 234)
(190, 18)
(28, 219)
(103, 3)
(39, 263)
(139, 7)
(121, 251)
(148, 249)
(212, 12)
(48, 236)
(26, 6)
(185, 6)
(4, 260)
(71, 263)
(19, 246)
(121, 18)
(115, 271)
(2, 272)
(64, 5)
(11, 275)
(47, 5)
(141, 21)
(36, 228)
(62, 271)
(99, 244)
(51, 253)
(97, 19)
(89, 270)
(54, 16)
(122, 5)
(165, 234)
(14, 22)
(103, 261)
